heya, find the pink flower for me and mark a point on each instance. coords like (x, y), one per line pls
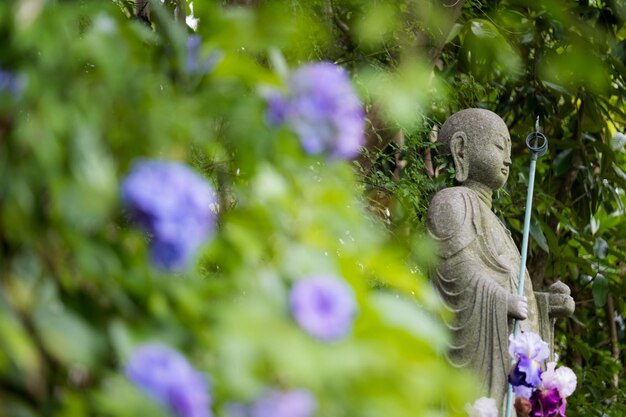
(563, 379)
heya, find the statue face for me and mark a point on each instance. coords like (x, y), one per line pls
(490, 157)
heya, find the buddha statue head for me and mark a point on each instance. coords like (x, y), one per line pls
(480, 145)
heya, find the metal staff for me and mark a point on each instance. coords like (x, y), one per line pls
(537, 144)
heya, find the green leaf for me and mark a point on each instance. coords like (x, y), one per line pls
(454, 32)
(600, 290)
(67, 337)
(538, 236)
(483, 28)
(16, 344)
(377, 24)
(594, 224)
(557, 87)
(397, 311)
(600, 248)
(562, 162)
(118, 397)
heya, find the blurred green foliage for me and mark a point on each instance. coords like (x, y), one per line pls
(103, 89)
(78, 294)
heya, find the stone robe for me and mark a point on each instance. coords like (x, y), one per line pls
(478, 269)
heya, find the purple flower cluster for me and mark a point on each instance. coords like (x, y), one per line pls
(547, 390)
(295, 403)
(323, 109)
(174, 205)
(324, 306)
(9, 83)
(167, 377)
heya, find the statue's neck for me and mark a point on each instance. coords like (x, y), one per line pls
(483, 191)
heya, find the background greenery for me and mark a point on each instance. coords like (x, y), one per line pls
(102, 88)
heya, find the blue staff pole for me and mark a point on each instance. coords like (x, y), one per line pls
(537, 143)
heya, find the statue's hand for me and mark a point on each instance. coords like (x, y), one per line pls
(517, 307)
(560, 301)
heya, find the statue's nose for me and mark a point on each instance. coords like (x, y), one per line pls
(507, 162)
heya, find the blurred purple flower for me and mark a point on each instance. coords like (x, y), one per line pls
(324, 306)
(236, 409)
(563, 379)
(322, 108)
(547, 403)
(167, 377)
(194, 64)
(277, 108)
(10, 83)
(296, 403)
(174, 205)
(482, 407)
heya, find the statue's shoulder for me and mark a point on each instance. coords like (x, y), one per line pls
(453, 193)
(449, 210)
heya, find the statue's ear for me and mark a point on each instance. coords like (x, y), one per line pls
(458, 146)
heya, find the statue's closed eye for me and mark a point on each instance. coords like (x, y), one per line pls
(499, 146)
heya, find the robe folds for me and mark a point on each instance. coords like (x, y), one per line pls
(478, 269)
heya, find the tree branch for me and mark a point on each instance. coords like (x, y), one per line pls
(142, 11)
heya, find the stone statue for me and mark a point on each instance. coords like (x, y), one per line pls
(479, 263)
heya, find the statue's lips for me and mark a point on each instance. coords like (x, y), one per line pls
(505, 171)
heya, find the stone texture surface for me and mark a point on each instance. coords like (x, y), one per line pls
(479, 262)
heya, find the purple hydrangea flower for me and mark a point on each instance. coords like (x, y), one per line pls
(194, 64)
(323, 109)
(530, 352)
(236, 409)
(547, 403)
(10, 83)
(174, 205)
(296, 403)
(324, 306)
(167, 377)
(563, 379)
